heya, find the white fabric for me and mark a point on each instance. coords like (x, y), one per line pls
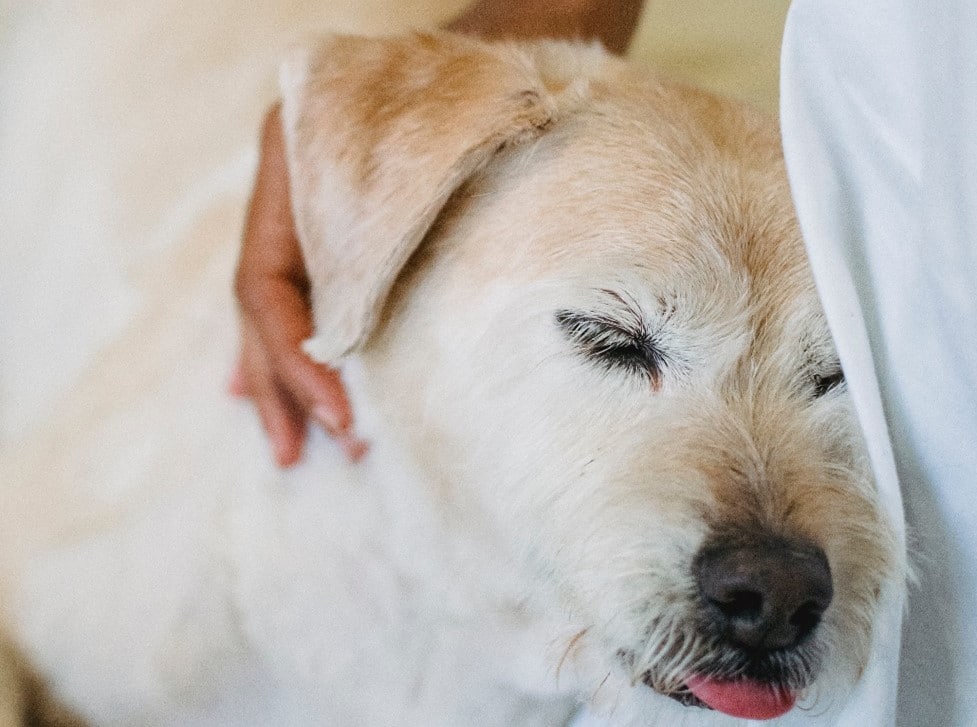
(879, 107)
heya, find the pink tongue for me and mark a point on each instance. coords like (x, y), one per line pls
(742, 698)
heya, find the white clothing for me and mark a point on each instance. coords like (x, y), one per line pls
(879, 110)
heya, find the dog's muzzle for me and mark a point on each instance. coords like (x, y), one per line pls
(760, 600)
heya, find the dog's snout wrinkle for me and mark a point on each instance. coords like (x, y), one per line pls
(764, 596)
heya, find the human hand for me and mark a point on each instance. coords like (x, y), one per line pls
(286, 386)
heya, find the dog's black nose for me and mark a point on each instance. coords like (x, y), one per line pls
(767, 594)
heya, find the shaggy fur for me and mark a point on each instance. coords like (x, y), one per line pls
(483, 225)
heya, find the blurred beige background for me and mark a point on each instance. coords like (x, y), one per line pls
(729, 46)
(124, 124)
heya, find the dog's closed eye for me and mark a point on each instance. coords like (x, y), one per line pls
(827, 382)
(615, 344)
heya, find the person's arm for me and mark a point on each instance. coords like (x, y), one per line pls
(612, 22)
(271, 285)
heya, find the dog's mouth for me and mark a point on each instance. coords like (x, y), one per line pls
(740, 685)
(683, 696)
(744, 698)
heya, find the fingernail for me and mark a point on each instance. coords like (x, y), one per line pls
(235, 385)
(353, 447)
(282, 449)
(327, 418)
(281, 453)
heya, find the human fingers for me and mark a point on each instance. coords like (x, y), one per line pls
(282, 420)
(278, 320)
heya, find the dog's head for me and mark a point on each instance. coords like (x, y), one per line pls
(609, 340)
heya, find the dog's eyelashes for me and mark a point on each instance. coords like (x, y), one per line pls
(826, 383)
(614, 344)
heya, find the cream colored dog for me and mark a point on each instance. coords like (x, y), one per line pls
(612, 456)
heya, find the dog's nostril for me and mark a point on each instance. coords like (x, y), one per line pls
(807, 616)
(768, 594)
(740, 604)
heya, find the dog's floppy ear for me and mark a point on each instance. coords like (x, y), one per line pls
(379, 133)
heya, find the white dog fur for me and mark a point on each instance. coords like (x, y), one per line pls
(524, 514)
